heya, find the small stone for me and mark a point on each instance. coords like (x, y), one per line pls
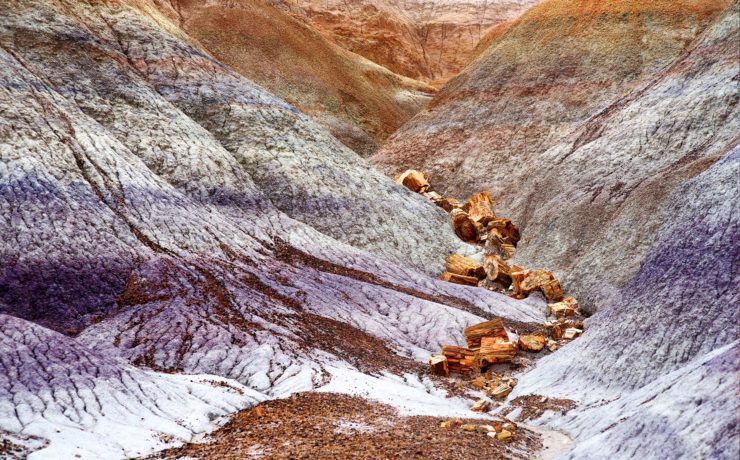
(571, 333)
(479, 382)
(468, 427)
(446, 425)
(481, 405)
(492, 434)
(552, 345)
(501, 391)
(510, 426)
(505, 435)
(259, 411)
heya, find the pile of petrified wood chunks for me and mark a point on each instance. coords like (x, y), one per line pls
(475, 222)
(488, 343)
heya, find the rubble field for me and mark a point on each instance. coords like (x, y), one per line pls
(336, 426)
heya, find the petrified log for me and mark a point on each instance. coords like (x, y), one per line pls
(533, 343)
(552, 290)
(460, 360)
(461, 265)
(448, 204)
(497, 350)
(464, 226)
(566, 307)
(571, 333)
(501, 391)
(459, 279)
(497, 270)
(526, 281)
(480, 208)
(414, 180)
(496, 244)
(493, 328)
(481, 406)
(508, 231)
(438, 365)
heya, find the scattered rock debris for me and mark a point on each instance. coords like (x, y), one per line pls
(476, 222)
(334, 426)
(534, 406)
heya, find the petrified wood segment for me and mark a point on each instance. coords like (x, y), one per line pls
(464, 226)
(461, 265)
(480, 208)
(414, 180)
(459, 279)
(497, 349)
(438, 365)
(493, 328)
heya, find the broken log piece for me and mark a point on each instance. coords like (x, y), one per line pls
(493, 328)
(448, 204)
(414, 180)
(480, 208)
(533, 343)
(534, 279)
(460, 360)
(496, 350)
(497, 270)
(481, 406)
(501, 391)
(497, 245)
(459, 279)
(507, 250)
(464, 226)
(465, 266)
(552, 290)
(506, 228)
(438, 365)
(566, 307)
(525, 282)
(571, 333)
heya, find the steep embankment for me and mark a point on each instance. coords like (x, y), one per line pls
(168, 212)
(655, 373)
(582, 200)
(360, 102)
(426, 40)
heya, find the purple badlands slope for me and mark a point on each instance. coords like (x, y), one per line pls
(179, 244)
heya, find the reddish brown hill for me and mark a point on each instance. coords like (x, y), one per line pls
(560, 63)
(426, 40)
(359, 102)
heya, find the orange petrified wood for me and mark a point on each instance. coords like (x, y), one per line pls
(459, 279)
(414, 180)
(464, 226)
(461, 265)
(480, 208)
(493, 328)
